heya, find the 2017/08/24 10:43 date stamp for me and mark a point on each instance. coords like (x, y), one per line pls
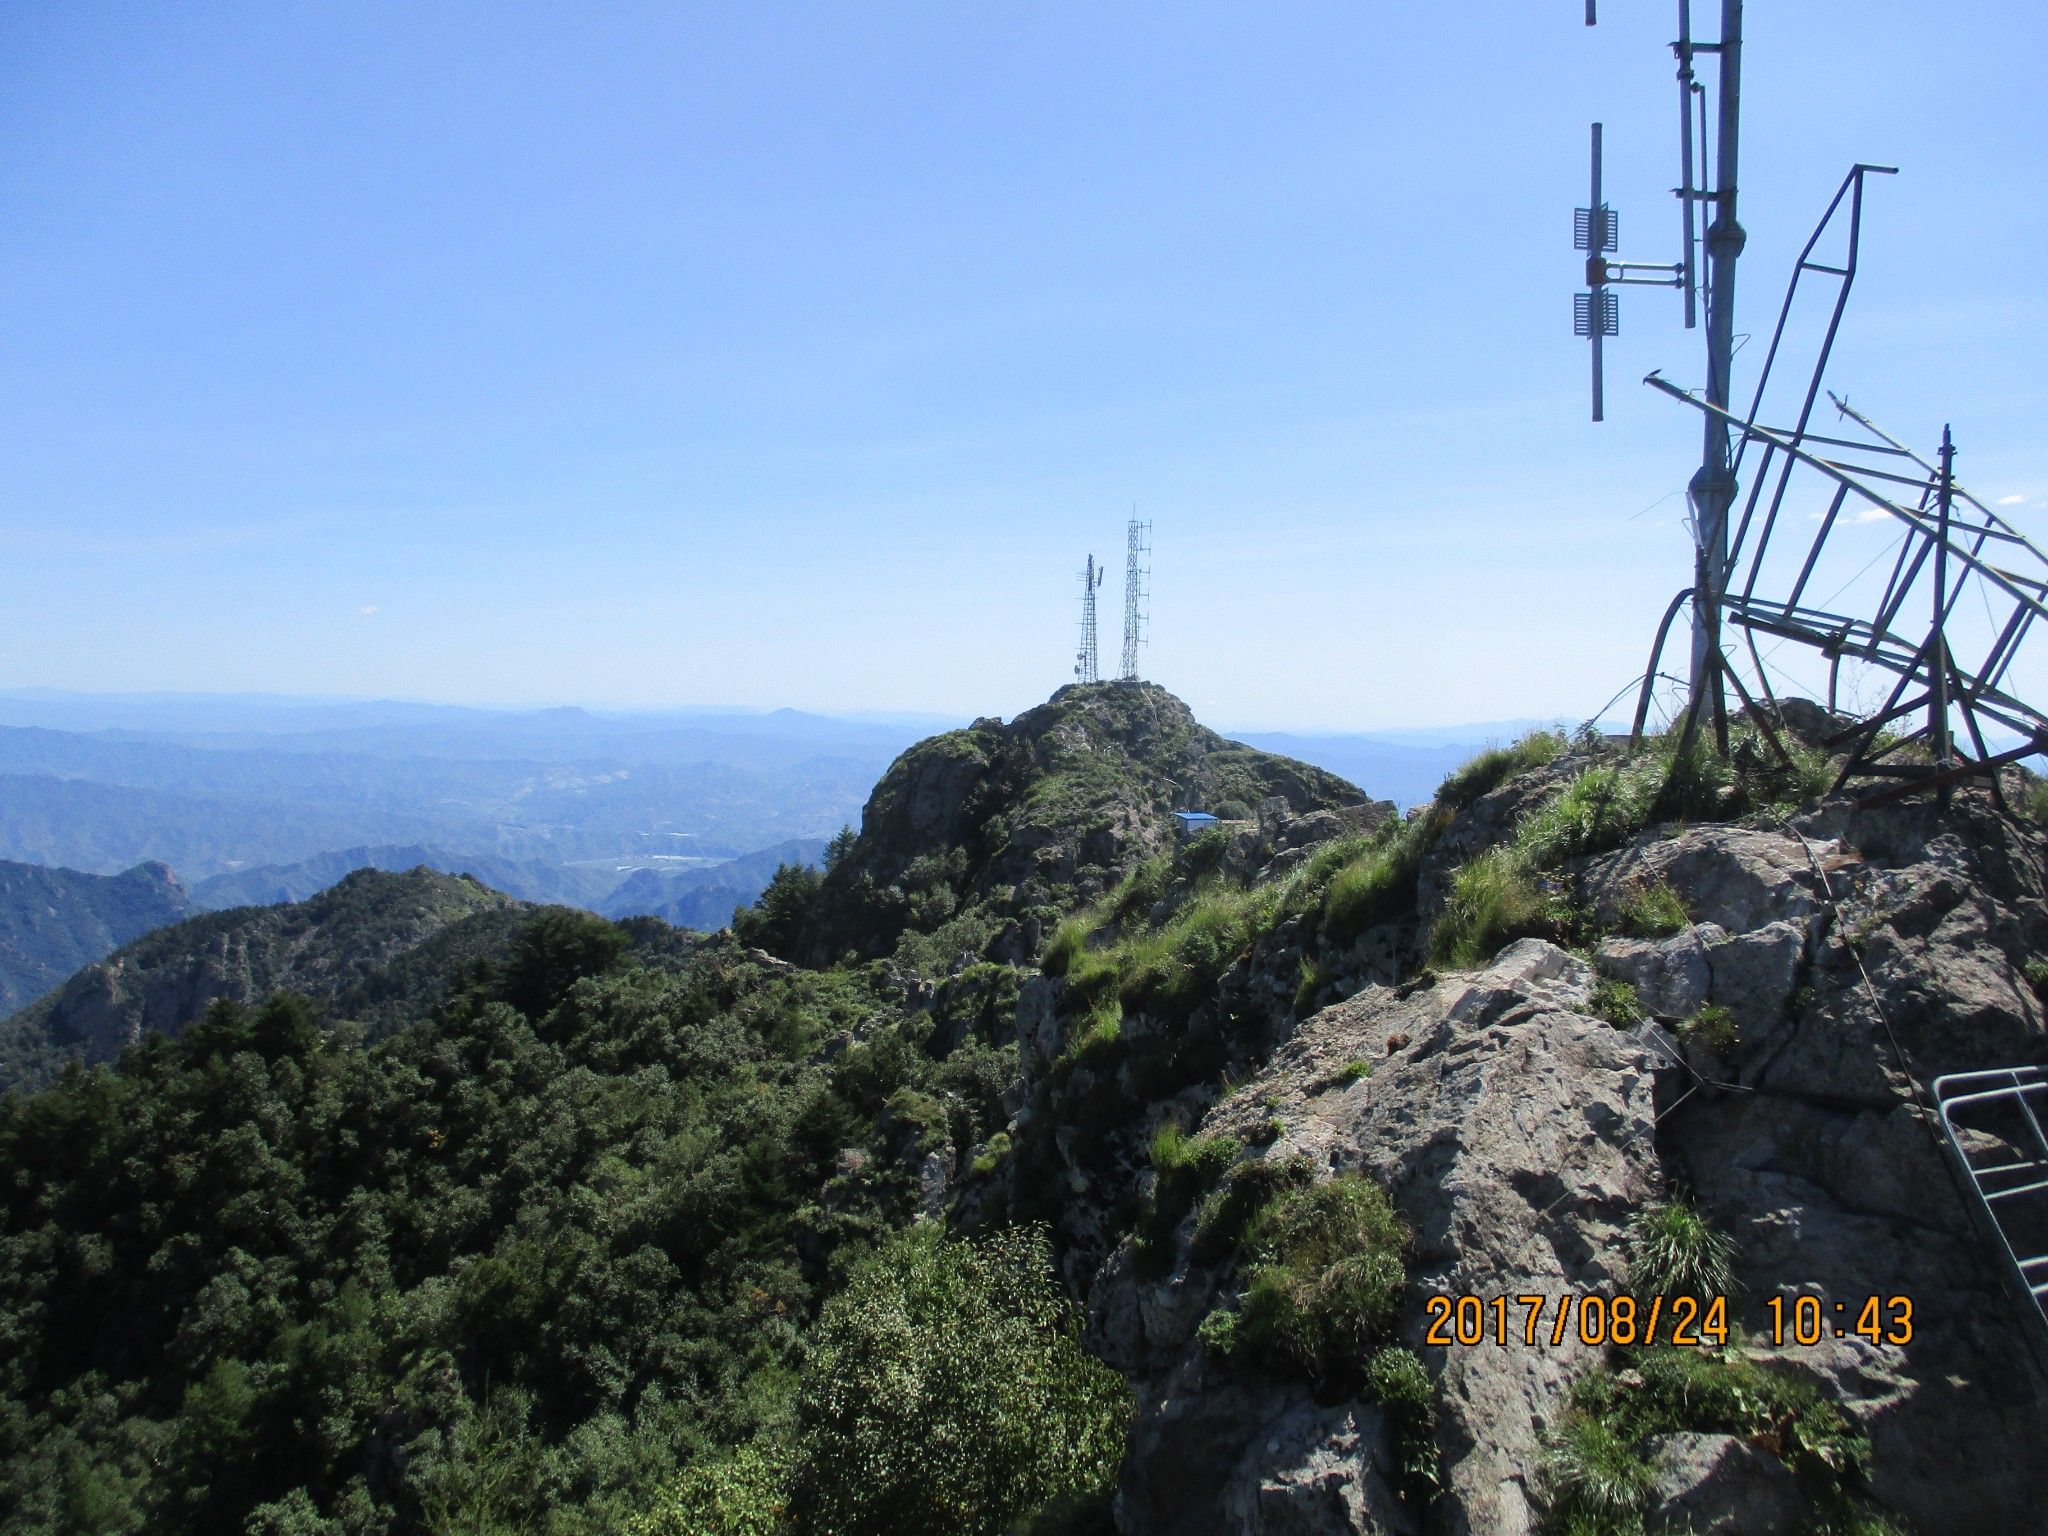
(1683, 1320)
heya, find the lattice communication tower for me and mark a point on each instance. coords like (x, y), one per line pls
(1087, 667)
(1137, 546)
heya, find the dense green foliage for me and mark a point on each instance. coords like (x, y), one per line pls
(945, 1393)
(506, 1269)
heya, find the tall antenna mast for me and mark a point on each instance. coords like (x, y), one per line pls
(1596, 316)
(1086, 667)
(1137, 545)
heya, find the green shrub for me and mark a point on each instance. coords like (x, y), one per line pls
(1713, 1028)
(741, 1493)
(1493, 901)
(1245, 1190)
(779, 915)
(947, 1394)
(1217, 1333)
(1652, 912)
(1493, 768)
(1617, 1003)
(1395, 1379)
(1669, 1389)
(1325, 1279)
(1673, 1251)
(990, 1158)
(1355, 1071)
(2037, 801)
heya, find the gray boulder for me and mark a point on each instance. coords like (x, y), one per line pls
(1717, 1485)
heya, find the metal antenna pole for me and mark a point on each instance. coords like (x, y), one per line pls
(1687, 189)
(1596, 274)
(1713, 488)
(1938, 736)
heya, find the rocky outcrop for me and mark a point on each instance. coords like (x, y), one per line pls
(1858, 953)
(1020, 822)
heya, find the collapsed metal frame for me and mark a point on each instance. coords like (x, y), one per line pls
(2012, 1195)
(1951, 544)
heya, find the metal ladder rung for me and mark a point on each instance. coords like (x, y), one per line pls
(2017, 1189)
(2030, 1166)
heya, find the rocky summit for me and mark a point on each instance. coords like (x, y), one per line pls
(1555, 1160)
(999, 829)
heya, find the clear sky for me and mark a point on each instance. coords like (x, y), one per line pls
(798, 354)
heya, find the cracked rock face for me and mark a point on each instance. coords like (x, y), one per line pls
(1514, 1133)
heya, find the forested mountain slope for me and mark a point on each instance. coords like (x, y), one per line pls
(346, 946)
(52, 921)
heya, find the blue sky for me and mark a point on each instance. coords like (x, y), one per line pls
(798, 354)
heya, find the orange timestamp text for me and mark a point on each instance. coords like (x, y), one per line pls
(1583, 1318)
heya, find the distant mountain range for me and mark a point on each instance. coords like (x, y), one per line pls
(702, 896)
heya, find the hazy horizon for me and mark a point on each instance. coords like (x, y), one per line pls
(776, 354)
(1454, 731)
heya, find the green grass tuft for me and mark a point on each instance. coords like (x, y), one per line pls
(1395, 1379)
(1714, 1029)
(1377, 882)
(1652, 912)
(1494, 900)
(1493, 768)
(1617, 1003)
(1326, 1277)
(1673, 1251)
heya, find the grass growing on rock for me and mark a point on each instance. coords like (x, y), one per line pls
(1185, 1170)
(1597, 1477)
(1493, 768)
(1652, 911)
(1674, 1251)
(1325, 1277)
(1713, 1028)
(1494, 900)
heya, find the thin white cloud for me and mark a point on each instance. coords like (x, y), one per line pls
(366, 610)
(2011, 501)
